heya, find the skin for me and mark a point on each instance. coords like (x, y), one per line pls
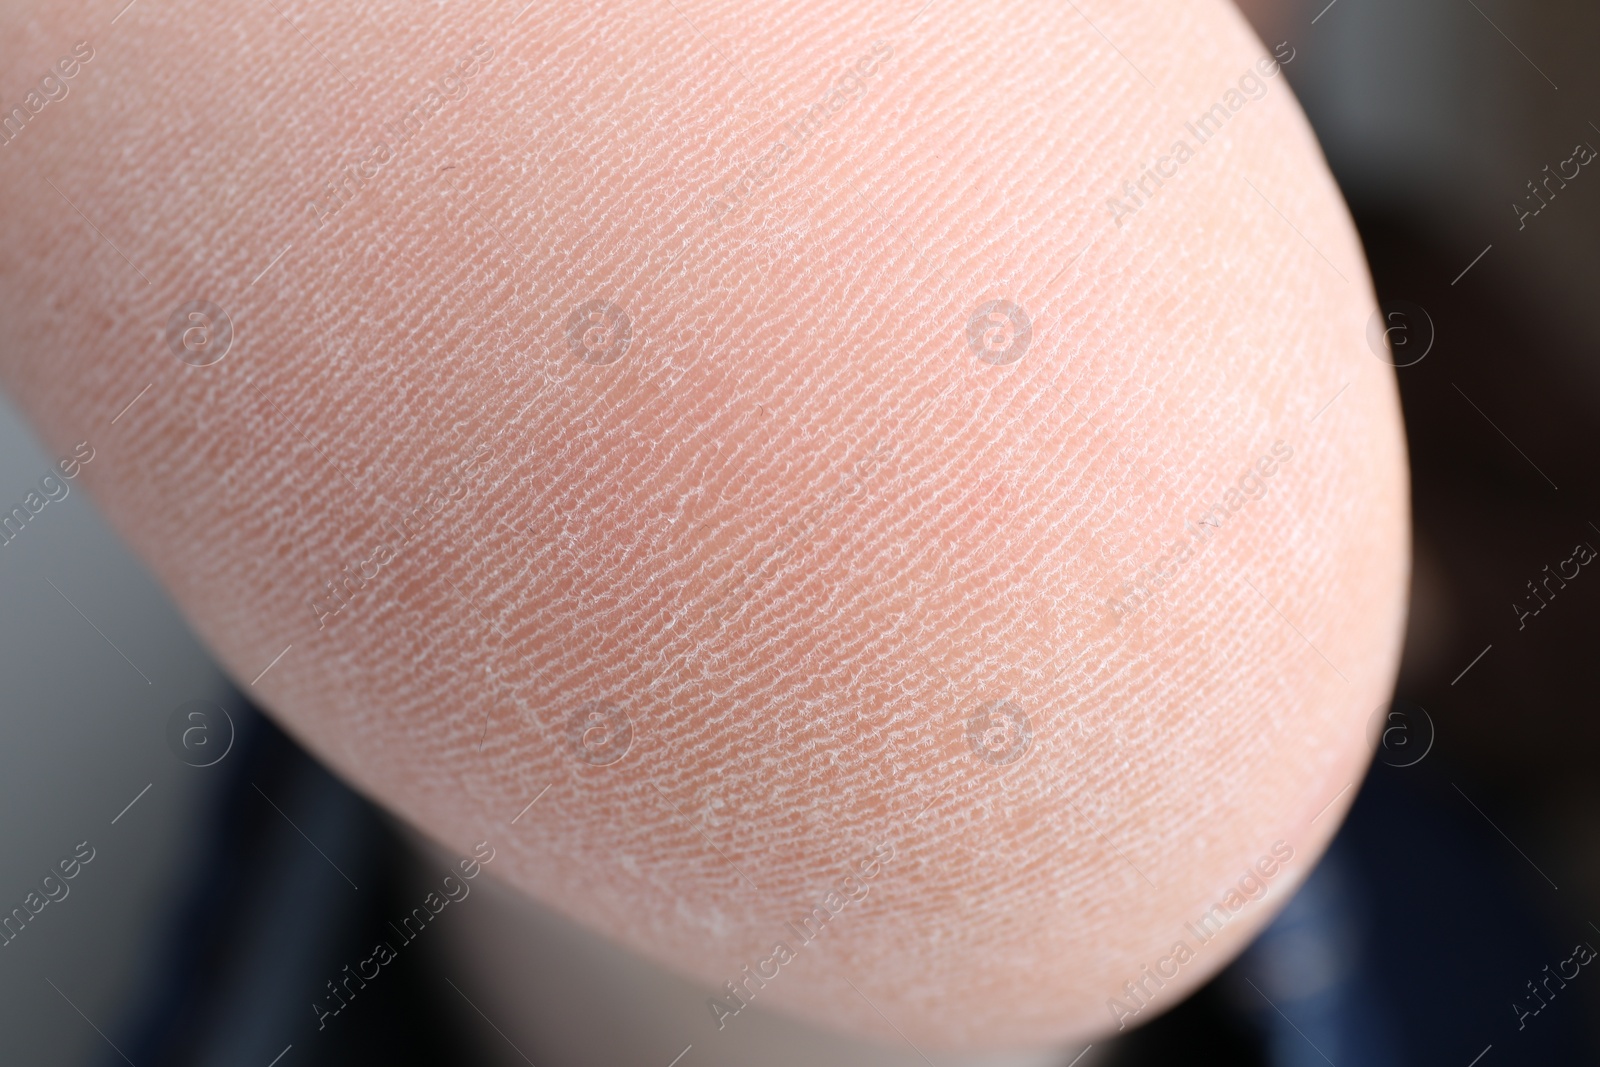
(799, 533)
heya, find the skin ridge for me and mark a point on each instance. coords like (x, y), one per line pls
(785, 721)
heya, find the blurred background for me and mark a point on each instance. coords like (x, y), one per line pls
(1443, 927)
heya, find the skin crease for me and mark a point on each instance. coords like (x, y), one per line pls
(798, 533)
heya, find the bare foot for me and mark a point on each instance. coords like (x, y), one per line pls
(753, 436)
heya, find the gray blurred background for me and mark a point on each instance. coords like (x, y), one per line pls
(82, 734)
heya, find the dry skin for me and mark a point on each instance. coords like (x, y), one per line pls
(798, 532)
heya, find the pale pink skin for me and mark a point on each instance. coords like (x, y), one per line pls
(811, 714)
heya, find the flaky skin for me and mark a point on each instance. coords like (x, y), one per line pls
(805, 529)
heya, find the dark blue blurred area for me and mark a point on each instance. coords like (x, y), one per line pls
(259, 932)
(1407, 945)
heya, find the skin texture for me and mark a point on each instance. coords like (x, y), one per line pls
(799, 533)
